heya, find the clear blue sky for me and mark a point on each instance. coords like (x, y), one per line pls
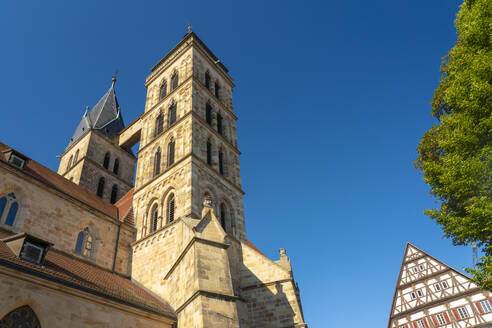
(332, 99)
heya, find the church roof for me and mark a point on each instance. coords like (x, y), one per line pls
(105, 117)
(67, 270)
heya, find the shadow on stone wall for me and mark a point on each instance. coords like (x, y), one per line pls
(265, 304)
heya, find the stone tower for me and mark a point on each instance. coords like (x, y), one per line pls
(93, 158)
(191, 247)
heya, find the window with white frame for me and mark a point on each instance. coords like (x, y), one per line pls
(463, 313)
(419, 293)
(420, 323)
(440, 319)
(437, 287)
(486, 306)
(444, 284)
(415, 269)
(421, 267)
(414, 295)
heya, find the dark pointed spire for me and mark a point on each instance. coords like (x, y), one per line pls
(104, 117)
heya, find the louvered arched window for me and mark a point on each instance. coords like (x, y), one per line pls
(70, 162)
(116, 166)
(170, 153)
(217, 90)
(157, 162)
(219, 124)
(174, 81)
(159, 124)
(75, 159)
(221, 162)
(223, 216)
(208, 113)
(170, 208)
(207, 80)
(106, 161)
(171, 115)
(154, 218)
(114, 194)
(163, 90)
(209, 153)
(100, 187)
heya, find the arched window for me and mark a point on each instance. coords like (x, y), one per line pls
(174, 81)
(106, 161)
(154, 218)
(170, 208)
(159, 124)
(85, 243)
(208, 113)
(14, 207)
(207, 80)
(114, 194)
(217, 90)
(223, 216)
(157, 162)
(3, 204)
(69, 163)
(219, 123)
(76, 157)
(221, 162)
(171, 115)
(9, 208)
(23, 317)
(163, 90)
(170, 153)
(100, 187)
(116, 166)
(209, 153)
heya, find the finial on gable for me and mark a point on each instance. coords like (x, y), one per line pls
(86, 110)
(113, 79)
(189, 28)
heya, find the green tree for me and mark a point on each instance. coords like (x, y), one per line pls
(455, 155)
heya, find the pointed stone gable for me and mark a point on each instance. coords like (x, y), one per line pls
(423, 282)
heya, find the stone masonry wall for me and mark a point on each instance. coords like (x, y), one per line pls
(46, 214)
(54, 307)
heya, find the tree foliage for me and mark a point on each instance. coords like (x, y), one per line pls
(455, 155)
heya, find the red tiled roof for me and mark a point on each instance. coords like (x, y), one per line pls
(250, 244)
(56, 181)
(125, 208)
(72, 272)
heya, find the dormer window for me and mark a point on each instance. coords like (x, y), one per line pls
(32, 253)
(17, 161)
(27, 247)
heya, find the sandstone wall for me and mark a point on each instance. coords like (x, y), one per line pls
(58, 219)
(57, 307)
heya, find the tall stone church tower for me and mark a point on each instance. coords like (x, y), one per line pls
(190, 244)
(93, 158)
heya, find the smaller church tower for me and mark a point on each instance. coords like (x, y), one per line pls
(93, 158)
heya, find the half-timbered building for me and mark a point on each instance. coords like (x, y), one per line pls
(430, 293)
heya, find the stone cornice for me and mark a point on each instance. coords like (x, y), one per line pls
(207, 293)
(211, 170)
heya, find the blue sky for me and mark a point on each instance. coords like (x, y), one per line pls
(332, 99)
